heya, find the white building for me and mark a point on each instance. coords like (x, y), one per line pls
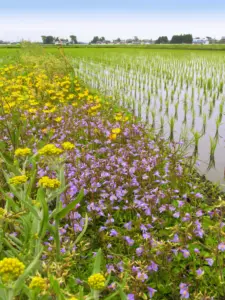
(201, 41)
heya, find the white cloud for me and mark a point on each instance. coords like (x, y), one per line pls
(85, 26)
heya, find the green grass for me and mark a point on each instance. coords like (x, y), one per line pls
(7, 52)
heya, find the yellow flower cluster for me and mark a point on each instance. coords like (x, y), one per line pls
(96, 281)
(16, 180)
(73, 298)
(50, 149)
(116, 130)
(11, 269)
(114, 133)
(50, 183)
(68, 146)
(120, 117)
(22, 152)
(38, 282)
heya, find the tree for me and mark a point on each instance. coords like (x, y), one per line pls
(95, 40)
(162, 40)
(48, 39)
(182, 39)
(73, 39)
(43, 37)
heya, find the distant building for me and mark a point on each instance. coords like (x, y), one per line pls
(147, 42)
(200, 41)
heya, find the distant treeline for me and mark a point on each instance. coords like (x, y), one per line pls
(176, 39)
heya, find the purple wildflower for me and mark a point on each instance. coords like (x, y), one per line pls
(221, 247)
(153, 267)
(139, 251)
(186, 253)
(210, 261)
(199, 272)
(184, 291)
(129, 241)
(130, 297)
(113, 232)
(151, 292)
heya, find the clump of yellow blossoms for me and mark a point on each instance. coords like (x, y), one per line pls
(73, 298)
(114, 133)
(22, 151)
(16, 180)
(116, 130)
(38, 282)
(96, 281)
(113, 136)
(68, 146)
(50, 183)
(58, 119)
(11, 269)
(50, 149)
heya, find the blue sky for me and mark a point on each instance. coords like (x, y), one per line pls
(29, 19)
(114, 5)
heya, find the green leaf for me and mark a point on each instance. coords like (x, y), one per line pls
(32, 178)
(123, 296)
(31, 208)
(97, 263)
(45, 214)
(63, 212)
(56, 288)
(112, 296)
(13, 249)
(19, 282)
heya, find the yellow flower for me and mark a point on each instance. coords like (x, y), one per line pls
(70, 97)
(112, 136)
(96, 281)
(125, 119)
(116, 130)
(10, 269)
(118, 117)
(58, 119)
(50, 183)
(22, 151)
(16, 180)
(68, 146)
(73, 298)
(50, 149)
(38, 282)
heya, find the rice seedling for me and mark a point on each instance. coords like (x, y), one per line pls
(218, 122)
(204, 123)
(176, 110)
(196, 136)
(172, 124)
(213, 144)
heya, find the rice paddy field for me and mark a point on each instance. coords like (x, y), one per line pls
(179, 92)
(101, 155)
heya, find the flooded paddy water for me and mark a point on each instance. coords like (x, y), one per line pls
(182, 95)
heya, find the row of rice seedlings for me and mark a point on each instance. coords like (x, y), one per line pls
(159, 84)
